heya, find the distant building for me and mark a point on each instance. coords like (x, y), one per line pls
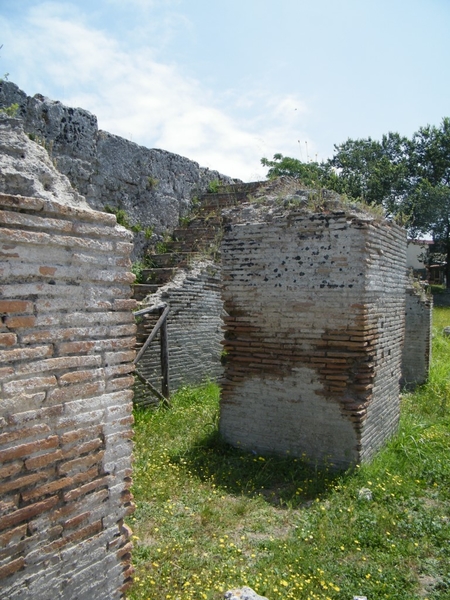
(416, 256)
(418, 262)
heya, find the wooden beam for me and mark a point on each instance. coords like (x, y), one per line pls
(151, 337)
(152, 389)
(165, 361)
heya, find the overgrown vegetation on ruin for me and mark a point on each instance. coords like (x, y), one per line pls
(409, 178)
(124, 220)
(211, 518)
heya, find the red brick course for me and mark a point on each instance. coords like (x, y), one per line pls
(15, 306)
(12, 567)
(26, 513)
(20, 322)
(28, 449)
(66, 346)
(8, 339)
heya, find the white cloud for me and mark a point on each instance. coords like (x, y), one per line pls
(154, 104)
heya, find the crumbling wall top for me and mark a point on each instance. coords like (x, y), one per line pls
(286, 198)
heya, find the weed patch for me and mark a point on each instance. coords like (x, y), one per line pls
(213, 186)
(210, 517)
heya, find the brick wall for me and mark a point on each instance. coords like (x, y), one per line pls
(66, 351)
(194, 331)
(314, 331)
(417, 348)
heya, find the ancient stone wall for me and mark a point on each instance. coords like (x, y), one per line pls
(314, 332)
(154, 187)
(417, 347)
(194, 331)
(66, 349)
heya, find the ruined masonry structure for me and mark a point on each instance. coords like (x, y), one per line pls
(66, 351)
(316, 312)
(194, 329)
(153, 186)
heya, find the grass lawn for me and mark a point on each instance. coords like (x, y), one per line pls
(211, 518)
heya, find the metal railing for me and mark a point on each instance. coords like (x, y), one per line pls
(161, 325)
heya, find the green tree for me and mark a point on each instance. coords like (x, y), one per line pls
(428, 201)
(410, 177)
(430, 153)
(311, 174)
(375, 171)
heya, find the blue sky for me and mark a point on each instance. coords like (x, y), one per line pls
(226, 82)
